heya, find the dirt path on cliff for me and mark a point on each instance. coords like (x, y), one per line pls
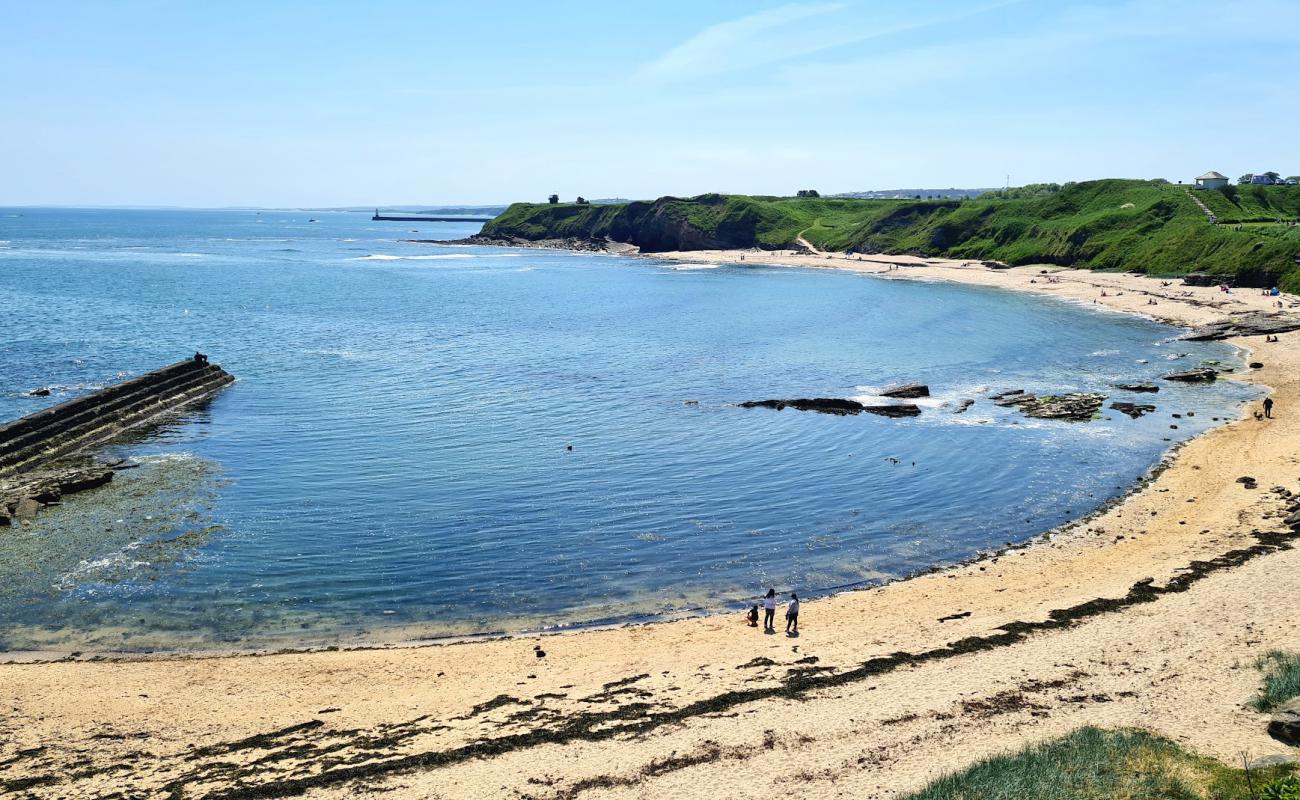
(1150, 614)
(802, 242)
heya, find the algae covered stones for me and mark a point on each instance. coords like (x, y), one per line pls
(1075, 406)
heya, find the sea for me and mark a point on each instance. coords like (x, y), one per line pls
(429, 441)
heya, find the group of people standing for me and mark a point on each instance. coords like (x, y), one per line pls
(769, 614)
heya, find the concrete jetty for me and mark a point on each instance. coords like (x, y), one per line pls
(32, 448)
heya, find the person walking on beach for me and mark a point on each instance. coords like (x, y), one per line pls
(1268, 408)
(769, 610)
(792, 614)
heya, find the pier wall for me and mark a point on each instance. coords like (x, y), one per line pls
(52, 433)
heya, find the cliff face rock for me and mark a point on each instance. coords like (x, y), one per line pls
(658, 228)
(707, 222)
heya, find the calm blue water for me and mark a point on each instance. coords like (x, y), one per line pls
(392, 462)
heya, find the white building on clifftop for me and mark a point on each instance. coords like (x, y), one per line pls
(1212, 180)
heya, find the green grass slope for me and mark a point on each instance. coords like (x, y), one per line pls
(1129, 225)
(1094, 764)
(1233, 204)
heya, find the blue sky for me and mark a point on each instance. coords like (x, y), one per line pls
(333, 103)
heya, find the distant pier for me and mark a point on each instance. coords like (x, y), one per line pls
(406, 218)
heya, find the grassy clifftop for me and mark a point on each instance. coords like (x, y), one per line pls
(1143, 226)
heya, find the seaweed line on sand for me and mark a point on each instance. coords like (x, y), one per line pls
(636, 719)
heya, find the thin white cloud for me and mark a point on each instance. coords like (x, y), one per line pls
(737, 43)
(780, 34)
(1054, 43)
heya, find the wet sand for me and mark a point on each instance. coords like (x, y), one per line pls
(882, 690)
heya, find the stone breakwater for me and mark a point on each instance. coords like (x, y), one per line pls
(36, 451)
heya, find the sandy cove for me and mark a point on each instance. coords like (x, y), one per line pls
(1162, 604)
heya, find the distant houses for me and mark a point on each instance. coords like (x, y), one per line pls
(1212, 180)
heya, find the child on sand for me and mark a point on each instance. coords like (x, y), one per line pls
(769, 610)
(752, 616)
(792, 613)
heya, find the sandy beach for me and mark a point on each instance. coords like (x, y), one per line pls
(883, 690)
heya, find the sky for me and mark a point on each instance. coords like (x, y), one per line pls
(313, 104)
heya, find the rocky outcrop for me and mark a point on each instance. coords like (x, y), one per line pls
(1135, 387)
(1199, 375)
(1012, 397)
(907, 391)
(837, 406)
(1255, 324)
(67, 428)
(962, 405)
(1284, 725)
(893, 410)
(1075, 407)
(23, 496)
(1134, 410)
(581, 244)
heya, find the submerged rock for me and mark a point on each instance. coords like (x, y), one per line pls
(894, 410)
(907, 391)
(1199, 375)
(962, 405)
(1015, 397)
(823, 405)
(1135, 387)
(836, 405)
(40, 392)
(1134, 410)
(26, 509)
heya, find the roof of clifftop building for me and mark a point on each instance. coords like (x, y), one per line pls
(1210, 176)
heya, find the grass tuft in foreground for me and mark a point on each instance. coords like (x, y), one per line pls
(1281, 679)
(1095, 764)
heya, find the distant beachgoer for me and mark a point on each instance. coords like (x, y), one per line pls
(1268, 407)
(752, 616)
(199, 358)
(769, 610)
(792, 613)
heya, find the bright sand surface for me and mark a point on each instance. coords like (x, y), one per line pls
(711, 708)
